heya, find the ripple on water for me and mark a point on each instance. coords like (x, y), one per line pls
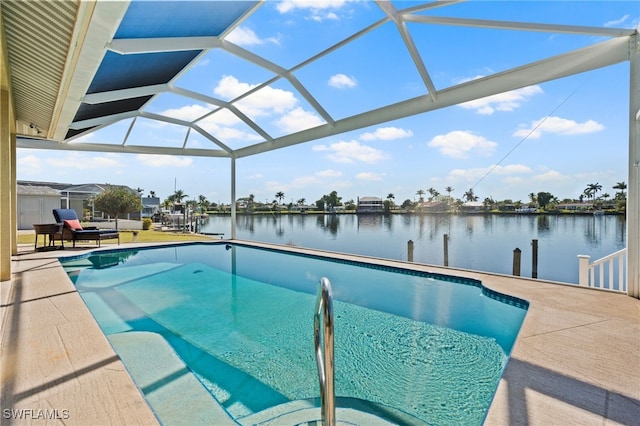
(435, 373)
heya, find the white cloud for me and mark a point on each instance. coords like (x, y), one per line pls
(351, 151)
(224, 134)
(298, 119)
(223, 117)
(474, 174)
(203, 62)
(29, 163)
(616, 22)
(264, 102)
(511, 169)
(507, 101)
(274, 186)
(551, 176)
(82, 161)
(303, 181)
(243, 36)
(369, 176)
(329, 173)
(230, 87)
(219, 124)
(386, 134)
(164, 160)
(320, 10)
(459, 144)
(557, 125)
(186, 113)
(290, 5)
(342, 81)
(256, 176)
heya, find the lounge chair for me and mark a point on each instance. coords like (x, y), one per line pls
(73, 231)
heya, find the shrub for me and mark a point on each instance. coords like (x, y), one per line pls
(146, 223)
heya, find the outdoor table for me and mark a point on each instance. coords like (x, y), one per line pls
(52, 231)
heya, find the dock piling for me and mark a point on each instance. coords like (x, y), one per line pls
(516, 261)
(446, 249)
(534, 259)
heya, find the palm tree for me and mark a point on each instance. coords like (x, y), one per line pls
(470, 196)
(621, 186)
(532, 197)
(301, 201)
(449, 190)
(203, 203)
(488, 203)
(279, 196)
(420, 194)
(592, 190)
(178, 196)
(389, 201)
(449, 199)
(433, 192)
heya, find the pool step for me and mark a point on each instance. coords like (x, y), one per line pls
(173, 392)
(349, 411)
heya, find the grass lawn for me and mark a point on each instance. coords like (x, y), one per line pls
(149, 236)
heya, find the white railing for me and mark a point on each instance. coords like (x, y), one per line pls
(607, 273)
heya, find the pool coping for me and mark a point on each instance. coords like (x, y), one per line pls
(576, 359)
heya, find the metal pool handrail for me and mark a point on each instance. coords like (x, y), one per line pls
(324, 358)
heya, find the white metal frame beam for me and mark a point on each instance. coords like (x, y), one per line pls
(123, 149)
(633, 193)
(586, 59)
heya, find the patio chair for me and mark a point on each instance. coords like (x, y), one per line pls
(73, 231)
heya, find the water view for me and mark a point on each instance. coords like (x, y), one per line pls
(479, 242)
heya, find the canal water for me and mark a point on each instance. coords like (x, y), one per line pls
(479, 242)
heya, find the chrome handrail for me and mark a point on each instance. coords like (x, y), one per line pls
(324, 305)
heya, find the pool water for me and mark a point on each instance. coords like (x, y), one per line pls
(241, 319)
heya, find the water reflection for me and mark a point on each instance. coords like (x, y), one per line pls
(370, 221)
(544, 226)
(469, 224)
(329, 222)
(107, 260)
(483, 242)
(621, 229)
(593, 230)
(245, 222)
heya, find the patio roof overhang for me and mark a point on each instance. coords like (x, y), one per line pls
(75, 67)
(87, 65)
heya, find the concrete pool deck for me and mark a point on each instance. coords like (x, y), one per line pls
(576, 359)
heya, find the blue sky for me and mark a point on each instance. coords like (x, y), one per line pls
(556, 137)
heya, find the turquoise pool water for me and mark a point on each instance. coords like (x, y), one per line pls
(241, 319)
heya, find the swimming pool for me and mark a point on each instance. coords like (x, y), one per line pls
(237, 320)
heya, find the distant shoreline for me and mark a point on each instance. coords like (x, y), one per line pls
(396, 212)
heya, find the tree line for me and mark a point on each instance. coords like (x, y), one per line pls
(117, 201)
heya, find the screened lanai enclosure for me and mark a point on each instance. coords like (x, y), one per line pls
(87, 76)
